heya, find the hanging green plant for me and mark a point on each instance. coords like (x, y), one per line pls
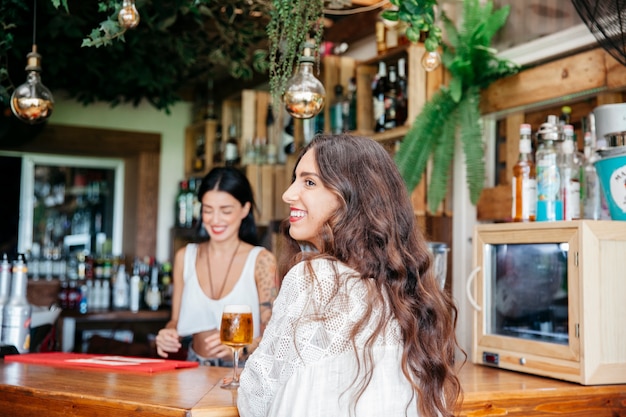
(291, 23)
(454, 109)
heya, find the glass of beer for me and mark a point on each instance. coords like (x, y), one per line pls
(236, 331)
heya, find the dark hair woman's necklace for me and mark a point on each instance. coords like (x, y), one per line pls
(230, 264)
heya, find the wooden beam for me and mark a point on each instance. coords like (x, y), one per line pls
(587, 72)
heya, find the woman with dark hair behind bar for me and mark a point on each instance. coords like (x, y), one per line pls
(230, 268)
(361, 326)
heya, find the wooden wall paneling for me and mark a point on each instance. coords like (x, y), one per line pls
(365, 75)
(147, 202)
(248, 118)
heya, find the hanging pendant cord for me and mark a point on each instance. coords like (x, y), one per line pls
(34, 21)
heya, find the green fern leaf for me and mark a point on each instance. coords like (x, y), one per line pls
(472, 140)
(442, 162)
(421, 139)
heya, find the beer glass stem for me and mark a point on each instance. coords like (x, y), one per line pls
(235, 365)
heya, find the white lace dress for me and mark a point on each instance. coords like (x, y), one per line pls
(313, 376)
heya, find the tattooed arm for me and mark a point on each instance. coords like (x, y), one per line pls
(267, 288)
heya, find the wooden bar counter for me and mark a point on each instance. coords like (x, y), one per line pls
(36, 390)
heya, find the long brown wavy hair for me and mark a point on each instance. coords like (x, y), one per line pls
(375, 233)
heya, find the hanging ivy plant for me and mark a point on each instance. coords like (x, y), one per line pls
(454, 110)
(291, 23)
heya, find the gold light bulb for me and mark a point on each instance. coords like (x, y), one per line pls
(32, 101)
(304, 94)
(431, 60)
(128, 17)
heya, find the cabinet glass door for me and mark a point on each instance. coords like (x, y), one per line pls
(70, 204)
(528, 291)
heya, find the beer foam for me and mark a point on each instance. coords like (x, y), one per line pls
(237, 308)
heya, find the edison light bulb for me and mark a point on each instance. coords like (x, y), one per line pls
(32, 102)
(304, 94)
(128, 17)
(431, 60)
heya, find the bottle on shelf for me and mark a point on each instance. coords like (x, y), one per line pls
(590, 183)
(569, 171)
(271, 127)
(353, 104)
(378, 96)
(524, 184)
(339, 111)
(401, 94)
(391, 92)
(189, 204)
(218, 146)
(5, 285)
(198, 160)
(135, 288)
(17, 311)
(181, 204)
(120, 289)
(549, 203)
(231, 149)
(153, 292)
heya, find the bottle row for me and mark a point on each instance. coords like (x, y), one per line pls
(556, 182)
(148, 287)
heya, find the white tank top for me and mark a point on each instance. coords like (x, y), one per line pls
(199, 312)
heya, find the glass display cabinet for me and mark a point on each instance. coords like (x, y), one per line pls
(70, 204)
(549, 299)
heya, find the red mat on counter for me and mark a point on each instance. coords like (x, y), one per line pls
(108, 362)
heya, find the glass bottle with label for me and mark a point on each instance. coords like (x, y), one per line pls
(391, 98)
(339, 111)
(380, 86)
(569, 171)
(549, 204)
(591, 202)
(401, 94)
(231, 149)
(524, 184)
(17, 311)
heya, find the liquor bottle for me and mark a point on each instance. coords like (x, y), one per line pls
(271, 153)
(135, 288)
(217, 146)
(181, 205)
(198, 160)
(569, 171)
(524, 184)
(120, 289)
(549, 204)
(401, 94)
(5, 285)
(390, 99)
(380, 86)
(189, 196)
(231, 149)
(352, 106)
(153, 292)
(338, 111)
(591, 202)
(17, 311)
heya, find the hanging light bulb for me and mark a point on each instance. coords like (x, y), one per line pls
(431, 60)
(32, 102)
(128, 17)
(304, 94)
